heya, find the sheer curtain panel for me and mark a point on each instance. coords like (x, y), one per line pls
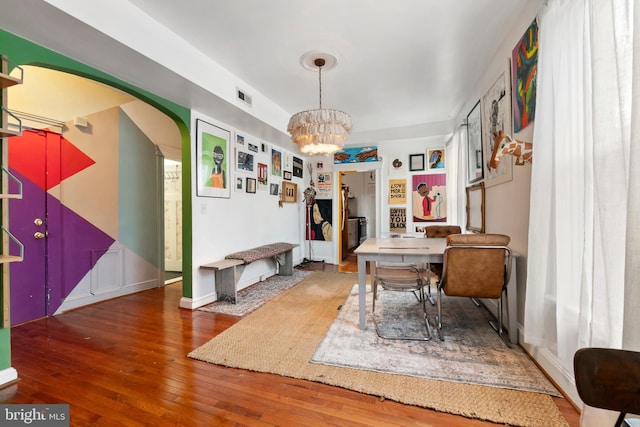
(583, 247)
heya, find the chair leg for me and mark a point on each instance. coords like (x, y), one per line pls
(422, 300)
(439, 316)
(429, 288)
(499, 328)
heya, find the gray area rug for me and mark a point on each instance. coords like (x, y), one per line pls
(471, 353)
(254, 296)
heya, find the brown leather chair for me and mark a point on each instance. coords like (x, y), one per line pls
(608, 378)
(476, 266)
(439, 231)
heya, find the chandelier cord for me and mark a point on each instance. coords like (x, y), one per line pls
(320, 83)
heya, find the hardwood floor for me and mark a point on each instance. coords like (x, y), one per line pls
(123, 363)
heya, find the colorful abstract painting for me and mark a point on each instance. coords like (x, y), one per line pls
(525, 64)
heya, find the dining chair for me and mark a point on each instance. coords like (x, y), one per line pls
(438, 231)
(608, 378)
(400, 277)
(476, 266)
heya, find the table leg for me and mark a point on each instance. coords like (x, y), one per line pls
(362, 291)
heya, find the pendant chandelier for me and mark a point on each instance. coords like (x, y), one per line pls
(321, 131)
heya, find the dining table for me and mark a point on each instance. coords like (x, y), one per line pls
(393, 249)
(422, 250)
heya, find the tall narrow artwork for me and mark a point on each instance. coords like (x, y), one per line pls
(319, 220)
(429, 198)
(524, 62)
(496, 117)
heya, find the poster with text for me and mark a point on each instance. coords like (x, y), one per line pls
(397, 191)
(398, 220)
(324, 186)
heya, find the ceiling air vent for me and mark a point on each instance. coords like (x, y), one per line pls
(244, 96)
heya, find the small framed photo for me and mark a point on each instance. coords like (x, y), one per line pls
(240, 183)
(287, 175)
(251, 185)
(416, 162)
(436, 159)
(244, 161)
(289, 192)
(273, 189)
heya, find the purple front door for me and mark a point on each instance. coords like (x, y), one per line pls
(29, 223)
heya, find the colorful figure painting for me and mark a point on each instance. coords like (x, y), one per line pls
(524, 62)
(319, 220)
(212, 160)
(429, 198)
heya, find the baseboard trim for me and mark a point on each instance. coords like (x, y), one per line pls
(7, 376)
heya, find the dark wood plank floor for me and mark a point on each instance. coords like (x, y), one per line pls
(123, 363)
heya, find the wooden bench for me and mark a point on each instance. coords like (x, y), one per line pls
(227, 275)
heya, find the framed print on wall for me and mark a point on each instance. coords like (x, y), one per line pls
(475, 165)
(416, 162)
(524, 59)
(475, 208)
(289, 192)
(429, 198)
(251, 185)
(212, 160)
(496, 116)
(436, 159)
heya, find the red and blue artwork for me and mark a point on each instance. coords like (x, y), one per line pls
(524, 63)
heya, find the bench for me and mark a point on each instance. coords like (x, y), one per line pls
(227, 275)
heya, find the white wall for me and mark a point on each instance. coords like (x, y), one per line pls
(243, 221)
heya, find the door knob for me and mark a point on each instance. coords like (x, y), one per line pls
(38, 222)
(39, 235)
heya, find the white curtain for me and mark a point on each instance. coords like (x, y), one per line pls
(456, 177)
(582, 182)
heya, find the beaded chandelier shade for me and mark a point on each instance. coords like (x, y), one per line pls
(320, 131)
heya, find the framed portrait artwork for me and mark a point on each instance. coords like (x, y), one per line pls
(416, 162)
(276, 162)
(212, 160)
(475, 165)
(436, 160)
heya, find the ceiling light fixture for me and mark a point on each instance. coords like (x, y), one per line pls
(321, 131)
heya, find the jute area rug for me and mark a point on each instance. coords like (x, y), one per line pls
(282, 336)
(253, 297)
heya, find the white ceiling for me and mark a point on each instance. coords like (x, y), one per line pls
(404, 64)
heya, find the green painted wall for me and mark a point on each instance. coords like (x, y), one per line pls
(23, 52)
